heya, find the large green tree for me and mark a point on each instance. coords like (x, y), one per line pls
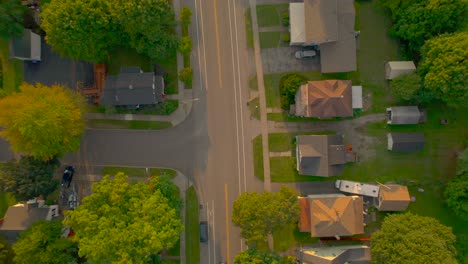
(253, 256)
(456, 192)
(11, 18)
(256, 222)
(288, 86)
(43, 243)
(29, 177)
(409, 238)
(41, 121)
(123, 223)
(443, 68)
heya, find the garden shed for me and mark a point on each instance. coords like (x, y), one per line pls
(394, 69)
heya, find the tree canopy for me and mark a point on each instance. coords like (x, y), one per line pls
(11, 18)
(29, 177)
(288, 86)
(456, 192)
(41, 121)
(6, 252)
(42, 244)
(253, 256)
(443, 68)
(89, 30)
(256, 222)
(123, 223)
(405, 87)
(409, 238)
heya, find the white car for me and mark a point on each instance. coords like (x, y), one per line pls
(302, 54)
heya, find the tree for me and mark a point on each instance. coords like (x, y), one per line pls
(185, 46)
(185, 15)
(42, 243)
(253, 256)
(6, 252)
(288, 86)
(169, 190)
(443, 68)
(278, 209)
(405, 87)
(123, 223)
(456, 193)
(11, 18)
(186, 76)
(85, 30)
(29, 177)
(409, 238)
(43, 122)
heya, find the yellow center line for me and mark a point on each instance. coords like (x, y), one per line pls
(217, 44)
(228, 257)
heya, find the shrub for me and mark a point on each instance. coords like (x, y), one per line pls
(185, 46)
(285, 18)
(288, 86)
(185, 15)
(186, 76)
(286, 37)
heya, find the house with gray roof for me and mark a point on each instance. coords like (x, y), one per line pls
(132, 88)
(320, 155)
(27, 47)
(405, 115)
(405, 142)
(334, 255)
(328, 24)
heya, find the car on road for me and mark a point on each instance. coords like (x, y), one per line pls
(303, 54)
(203, 231)
(68, 176)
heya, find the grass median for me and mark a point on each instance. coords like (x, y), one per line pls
(138, 171)
(192, 231)
(127, 124)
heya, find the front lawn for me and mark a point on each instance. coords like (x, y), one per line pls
(288, 236)
(270, 15)
(165, 108)
(270, 39)
(138, 171)
(11, 70)
(258, 157)
(254, 107)
(192, 230)
(126, 124)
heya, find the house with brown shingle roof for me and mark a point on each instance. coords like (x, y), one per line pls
(324, 99)
(331, 215)
(393, 197)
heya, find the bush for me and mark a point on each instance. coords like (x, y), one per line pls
(285, 18)
(185, 46)
(288, 86)
(185, 15)
(286, 37)
(186, 76)
(404, 87)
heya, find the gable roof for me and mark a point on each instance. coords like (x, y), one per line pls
(321, 21)
(332, 215)
(405, 141)
(320, 155)
(132, 87)
(393, 197)
(26, 47)
(324, 99)
(336, 254)
(403, 115)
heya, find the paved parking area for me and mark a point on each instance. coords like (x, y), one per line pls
(55, 69)
(282, 59)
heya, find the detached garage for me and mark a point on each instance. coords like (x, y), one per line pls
(405, 142)
(394, 69)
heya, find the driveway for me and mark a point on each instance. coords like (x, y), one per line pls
(55, 69)
(282, 59)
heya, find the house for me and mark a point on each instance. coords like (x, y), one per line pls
(405, 142)
(132, 88)
(20, 217)
(334, 255)
(393, 197)
(325, 99)
(394, 69)
(405, 115)
(358, 188)
(26, 47)
(328, 25)
(320, 155)
(331, 215)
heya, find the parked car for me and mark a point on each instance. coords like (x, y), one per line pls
(203, 231)
(68, 176)
(302, 54)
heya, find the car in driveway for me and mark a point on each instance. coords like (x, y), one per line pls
(67, 176)
(304, 54)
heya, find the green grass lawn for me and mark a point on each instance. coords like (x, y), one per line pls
(270, 15)
(270, 39)
(137, 171)
(254, 107)
(165, 108)
(248, 28)
(286, 117)
(192, 231)
(126, 57)
(12, 69)
(253, 83)
(288, 236)
(127, 124)
(6, 200)
(258, 157)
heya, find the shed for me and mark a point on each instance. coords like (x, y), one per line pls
(403, 115)
(356, 97)
(27, 47)
(393, 197)
(364, 189)
(394, 69)
(405, 142)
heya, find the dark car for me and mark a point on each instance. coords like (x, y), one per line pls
(203, 231)
(68, 176)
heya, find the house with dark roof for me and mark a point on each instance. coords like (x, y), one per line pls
(326, 99)
(132, 88)
(320, 155)
(27, 47)
(331, 215)
(405, 142)
(405, 115)
(328, 24)
(334, 255)
(20, 217)
(393, 197)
